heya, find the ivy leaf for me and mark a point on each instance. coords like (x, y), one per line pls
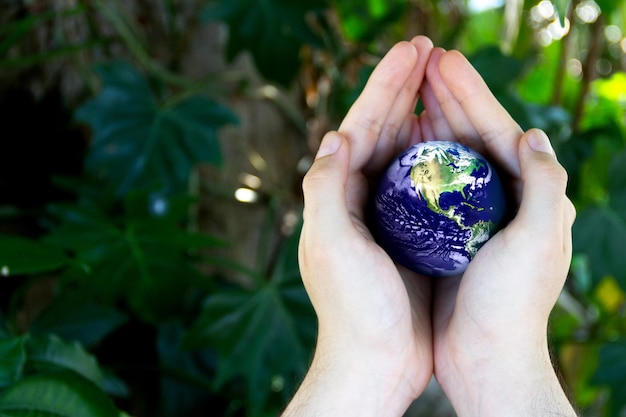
(610, 372)
(59, 394)
(19, 255)
(12, 360)
(272, 30)
(136, 141)
(142, 260)
(264, 335)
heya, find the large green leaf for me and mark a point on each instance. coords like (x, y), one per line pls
(12, 360)
(142, 260)
(60, 394)
(19, 255)
(137, 141)
(272, 30)
(50, 353)
(77, 317)
(600, 233)
(264, 334)
(610, 372)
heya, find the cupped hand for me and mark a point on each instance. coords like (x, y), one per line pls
(490, 324)
(373, 318)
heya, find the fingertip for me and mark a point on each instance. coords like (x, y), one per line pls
(331, 142)
(538, 141)
(406, 48)
(422, 43)
(451, 59)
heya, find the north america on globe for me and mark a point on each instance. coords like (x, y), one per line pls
(436, 205)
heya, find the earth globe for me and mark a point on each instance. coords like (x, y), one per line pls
(436, 205)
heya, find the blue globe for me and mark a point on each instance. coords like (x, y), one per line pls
(436, 205)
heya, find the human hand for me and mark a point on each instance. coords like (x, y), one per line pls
(375, 342)
(374, 350)
(490, 326)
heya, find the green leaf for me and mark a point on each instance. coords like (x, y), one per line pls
(12, 360)
(50, 353)
(272, 30)
(617, 183)
(264, 335)
(497, 69)
(139, 142)
(561, 7)
(145, 261)
(184, 384)
(61, 394)
(364, 21)
(610, 372)
(19, 256)
(77, 317)
(600, 233)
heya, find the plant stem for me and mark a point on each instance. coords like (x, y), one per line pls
(557, 93)
(589, 70)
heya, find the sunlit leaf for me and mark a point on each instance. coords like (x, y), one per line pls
(137, 141)
(272, 30)
(60, 394)
(364, 20)
(609, 294)
(606, 103)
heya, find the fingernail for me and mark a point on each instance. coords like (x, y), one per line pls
(539, 141)
(330, 144)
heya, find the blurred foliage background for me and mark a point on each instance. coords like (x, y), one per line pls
(152, 154)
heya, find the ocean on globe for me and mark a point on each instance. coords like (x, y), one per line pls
(436, 205)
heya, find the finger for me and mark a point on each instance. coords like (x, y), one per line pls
(446, 114)
(569, 214)
(544, 180)
(495, 127)
(371, 112)
(324, 187)
(393, 137)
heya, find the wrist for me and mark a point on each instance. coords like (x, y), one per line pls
(343, 383)
(514, 381)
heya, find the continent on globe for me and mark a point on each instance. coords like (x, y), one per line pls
(436, 205)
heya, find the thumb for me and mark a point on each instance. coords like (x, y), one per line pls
(544, 184)
(324, 187)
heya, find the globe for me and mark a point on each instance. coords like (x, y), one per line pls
(436, 205)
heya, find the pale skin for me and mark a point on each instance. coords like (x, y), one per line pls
(383, 330)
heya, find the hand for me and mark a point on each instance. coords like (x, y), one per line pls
(490, 326)
(378, 343)
(374, 349)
